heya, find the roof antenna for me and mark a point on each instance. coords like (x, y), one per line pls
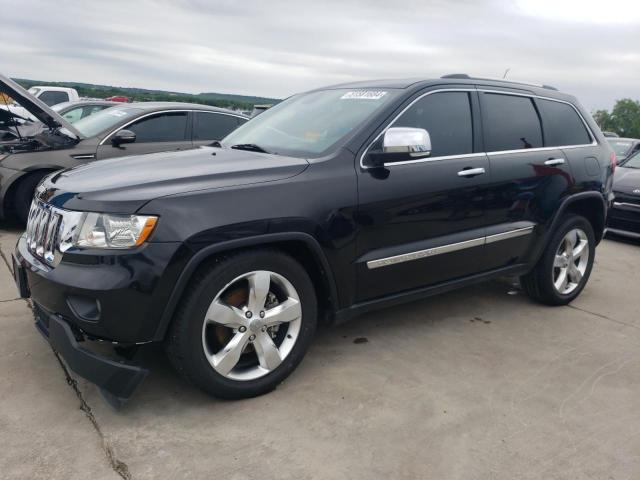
(505, 73)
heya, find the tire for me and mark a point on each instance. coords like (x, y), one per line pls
(24, 194)
(202, 350)
(546, 283)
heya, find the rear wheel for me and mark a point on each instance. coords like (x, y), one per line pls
(565, 266)
(245, 324)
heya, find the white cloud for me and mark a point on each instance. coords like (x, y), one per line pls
(280, 47)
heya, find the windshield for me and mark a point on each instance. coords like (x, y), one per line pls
(105, 120)
(632, 162)
(309, 124)
(621, 147)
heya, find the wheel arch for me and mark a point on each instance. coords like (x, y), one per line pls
(590, 205)
(301, 246)
(9, 198)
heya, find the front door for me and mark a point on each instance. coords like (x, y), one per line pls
(161, 132)
(422, 222)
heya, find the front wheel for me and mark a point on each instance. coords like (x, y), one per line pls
(565, 266)
(244, 325)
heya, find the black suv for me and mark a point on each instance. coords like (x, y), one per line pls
(330, 204)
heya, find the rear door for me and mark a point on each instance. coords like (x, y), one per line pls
(157, 132)
(422, 221)
(529, 174)
(211, 126)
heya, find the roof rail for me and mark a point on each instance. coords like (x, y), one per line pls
(464, 76)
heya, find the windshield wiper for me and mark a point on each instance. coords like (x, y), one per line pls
(252, 147)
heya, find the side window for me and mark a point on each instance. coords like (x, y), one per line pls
(165, 127)
(510, 123)
(213, 126)
(562, 125)
(53, 98)
(447, 118)
(73, 115)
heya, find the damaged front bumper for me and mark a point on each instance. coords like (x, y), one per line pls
(116, 378)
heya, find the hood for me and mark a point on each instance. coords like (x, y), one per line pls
(34, 106)
(124, 184)
(626, 180)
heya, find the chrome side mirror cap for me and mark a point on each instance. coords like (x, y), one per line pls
(415, 142)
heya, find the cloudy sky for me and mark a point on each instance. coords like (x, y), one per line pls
(590, 48)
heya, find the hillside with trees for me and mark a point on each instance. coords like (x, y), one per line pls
(236, 102)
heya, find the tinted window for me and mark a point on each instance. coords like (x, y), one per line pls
(447, 118)
(510, 123)
(562, 125)
(53, 98)
(167, 127)
(214, 126)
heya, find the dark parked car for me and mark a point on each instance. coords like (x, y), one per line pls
(624, 216)
(330, 204)
(74, 111)
(624, 147)
(128, 129)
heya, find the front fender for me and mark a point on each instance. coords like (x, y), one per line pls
(262, 240)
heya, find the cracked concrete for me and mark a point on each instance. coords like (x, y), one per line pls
(474, 384)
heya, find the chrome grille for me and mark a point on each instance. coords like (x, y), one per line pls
(49, 231)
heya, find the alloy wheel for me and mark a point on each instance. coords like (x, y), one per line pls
(571, 261)
(251, 326)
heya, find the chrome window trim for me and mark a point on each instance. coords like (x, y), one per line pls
(479, 154)
(165, 111)
(452, 247)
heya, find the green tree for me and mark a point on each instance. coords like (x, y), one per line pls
(624, 119)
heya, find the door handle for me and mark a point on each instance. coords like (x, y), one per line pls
(554, 161)
(471, 172)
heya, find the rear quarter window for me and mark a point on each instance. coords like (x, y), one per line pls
(562, 125)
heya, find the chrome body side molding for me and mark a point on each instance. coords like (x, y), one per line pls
(453, 247)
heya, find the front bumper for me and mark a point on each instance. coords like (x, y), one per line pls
(624, 218)
(95, 301)
(116, 379)
(116, 296)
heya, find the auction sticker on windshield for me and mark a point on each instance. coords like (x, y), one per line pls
(364, 95)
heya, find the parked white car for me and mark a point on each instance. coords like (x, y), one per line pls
(48, 95)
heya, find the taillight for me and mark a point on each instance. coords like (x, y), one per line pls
(613, 160)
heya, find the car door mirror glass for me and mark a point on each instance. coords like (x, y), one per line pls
(401, 144)
(123, 136)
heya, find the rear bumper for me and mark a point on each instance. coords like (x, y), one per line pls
(116, 379)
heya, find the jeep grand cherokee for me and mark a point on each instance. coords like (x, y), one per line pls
(330, 204)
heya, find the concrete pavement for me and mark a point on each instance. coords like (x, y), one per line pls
(474, 384)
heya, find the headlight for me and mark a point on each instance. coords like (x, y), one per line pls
(100, 230)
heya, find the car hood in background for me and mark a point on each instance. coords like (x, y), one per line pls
(35, 107)
(125, 184)
(626, 180)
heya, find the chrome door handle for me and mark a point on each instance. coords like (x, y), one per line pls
(471, 172)
(554, 161)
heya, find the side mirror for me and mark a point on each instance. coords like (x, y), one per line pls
(402, 143)
(123, 136)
